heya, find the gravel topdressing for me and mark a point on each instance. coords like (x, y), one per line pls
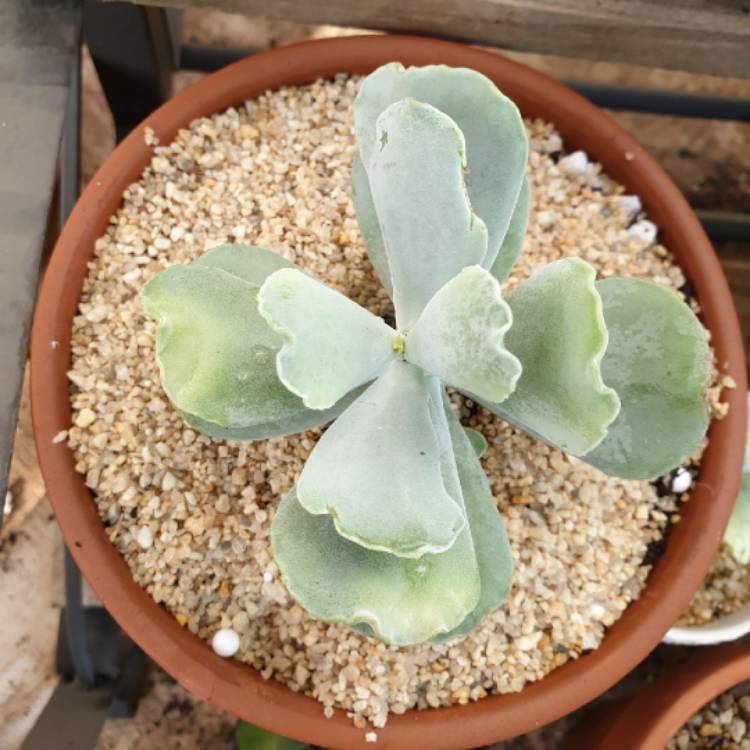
(720, 725)
(191, 515)
(725, 589)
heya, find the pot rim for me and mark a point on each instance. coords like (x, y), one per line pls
(236, 687)
(654, 715)
(722, 629)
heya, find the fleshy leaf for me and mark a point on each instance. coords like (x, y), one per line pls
(249, 737)
(216, 354)
(659, 363)
(368, 224)
(459, 336)
(400, 600)
(378, 469)
(477, 440)
(429, 230)
(560, 337)
(514, 237)
(490, 541)
(296, 421)
(331, 344)
(737, 535)
(253, 264)
(496, 141)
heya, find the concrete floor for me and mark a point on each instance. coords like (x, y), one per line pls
(709, 160)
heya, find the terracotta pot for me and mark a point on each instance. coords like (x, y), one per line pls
(649, 719)
(236, 687)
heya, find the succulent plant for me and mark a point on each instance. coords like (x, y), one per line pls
(391, 527)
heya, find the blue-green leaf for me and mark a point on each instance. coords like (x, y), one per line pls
(368, 224)
(496, 141)
(216, 354)
(488, 535)
(659, 363)
(331, 344)
(378, 470)
(416, 178)
(737, 535)
(559, 336)
(514, 237)
(459, 336)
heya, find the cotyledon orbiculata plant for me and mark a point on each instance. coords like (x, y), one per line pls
(391, 527)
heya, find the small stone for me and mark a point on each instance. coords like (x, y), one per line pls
(54, 344)
(737, 729)
(97, 314)
(576, 163)
(238, 232)
(85, 418)
(145, 537)
(371, 737)
(744, 704)
(709, 730)
(645, 231)
(682, 481)
(60, 437)
(226, 642)
(630, 205)
(223, 505)
(168, 482)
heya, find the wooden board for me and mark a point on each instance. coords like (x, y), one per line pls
(702, 36)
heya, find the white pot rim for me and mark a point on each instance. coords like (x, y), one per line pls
(724, 629)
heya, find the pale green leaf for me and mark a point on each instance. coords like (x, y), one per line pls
(659, 362)
(400, 600)
(217, 355)
(253, 264)
(488, 535)
(459, 336)
(296, 421)
(496, 141)
(560, 337)
(368, 224)
(378, 470)
(249, 737)
(331, 344)
(514, 237)
(477, 440)
(737, 535)
(429, 230)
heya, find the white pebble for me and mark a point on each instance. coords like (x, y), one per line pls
(97, 314)
(682, 481)
(553, 143)
(596, 610)
(60, 437)
(575, 163)
(225, 642)
(144, 537)
(177, 233)
(643, 230)
(162, 243)
(85, 417)
(238, 232)
(371, 737)
(54, 344)
(630, 204)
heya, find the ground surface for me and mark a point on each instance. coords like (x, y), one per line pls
(710, 161)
